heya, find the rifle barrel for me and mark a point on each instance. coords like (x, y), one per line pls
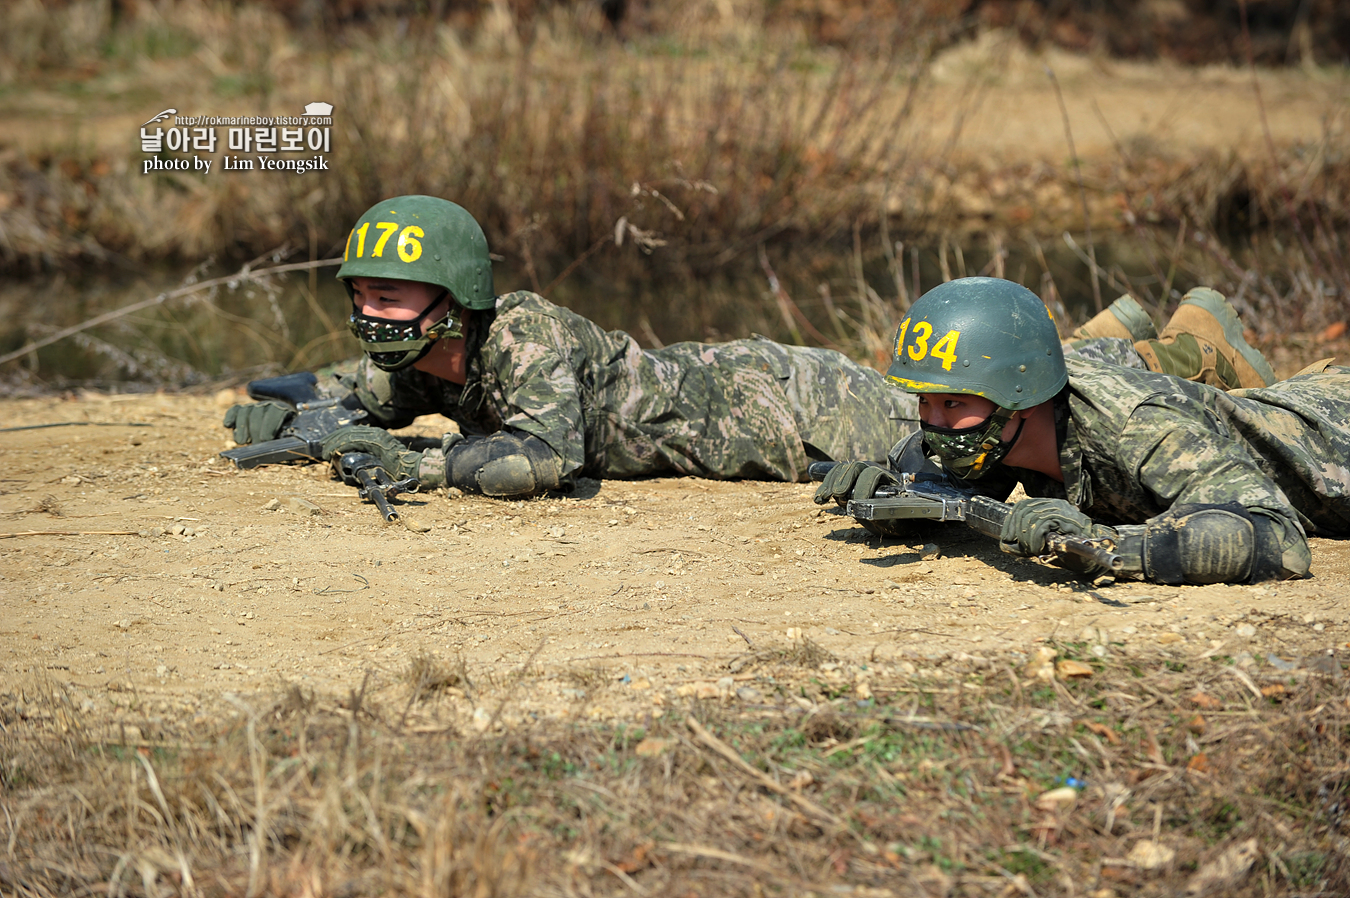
(1086, 549)
(370, 489)
(818, 469)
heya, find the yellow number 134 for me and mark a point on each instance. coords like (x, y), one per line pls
(917, 350)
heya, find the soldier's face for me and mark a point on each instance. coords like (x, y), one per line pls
(954, 410)
(394, 300)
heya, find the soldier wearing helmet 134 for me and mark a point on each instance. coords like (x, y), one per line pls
(1193, 484)
(542, 395)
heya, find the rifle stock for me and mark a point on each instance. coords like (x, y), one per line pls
(302, 437)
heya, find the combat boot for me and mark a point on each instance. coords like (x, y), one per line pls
(1124, 318)
(1203, 342)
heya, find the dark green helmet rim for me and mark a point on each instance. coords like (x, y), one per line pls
(422, 238)
(981, 337)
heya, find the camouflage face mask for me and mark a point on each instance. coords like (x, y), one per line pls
(968, 453)
(392, 345)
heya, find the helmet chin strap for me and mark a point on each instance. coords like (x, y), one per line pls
(448, 325)
(427, 311)
(997, 450)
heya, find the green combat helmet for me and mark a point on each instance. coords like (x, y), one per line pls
(416, 238)
(980, 337)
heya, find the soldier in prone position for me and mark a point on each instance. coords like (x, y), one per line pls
(542, 395)
(1191, 483)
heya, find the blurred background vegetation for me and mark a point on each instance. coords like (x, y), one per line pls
(685, 170)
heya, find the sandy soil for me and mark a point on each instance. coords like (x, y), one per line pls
(145, 574)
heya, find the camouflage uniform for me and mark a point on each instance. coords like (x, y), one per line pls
(1134, 444)
(1110, 350)
(607, 408)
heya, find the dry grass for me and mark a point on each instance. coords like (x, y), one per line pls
(262, 317)
(930, 787)
(706, 137)
(729, 169)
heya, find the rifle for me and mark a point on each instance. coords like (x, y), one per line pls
(363, 471)
(302, 436)
(934, 497)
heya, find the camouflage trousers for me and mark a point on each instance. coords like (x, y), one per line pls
(842, 410)
(752, 409)
(1107, 350)
(1301, 427)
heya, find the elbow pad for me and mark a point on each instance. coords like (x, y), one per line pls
(503, 466)
(1218, 544)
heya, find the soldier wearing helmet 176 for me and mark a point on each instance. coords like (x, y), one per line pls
(1193, 484)
(542, 395)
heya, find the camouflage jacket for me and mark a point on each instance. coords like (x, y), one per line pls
(1132, 444)
(608, 408)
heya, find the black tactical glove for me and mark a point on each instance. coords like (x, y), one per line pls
(503, 465)
(1033, 520)
(1030, 524)
(861, 480)
(853, 480)
(257, 422)
(397, 459)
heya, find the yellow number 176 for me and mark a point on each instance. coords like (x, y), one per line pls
(409, 247)
(917, 350)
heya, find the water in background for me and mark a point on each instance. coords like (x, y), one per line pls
(296, 321)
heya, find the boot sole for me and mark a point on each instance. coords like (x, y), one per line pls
(1132, 315)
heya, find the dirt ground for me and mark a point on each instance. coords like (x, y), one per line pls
(155, 581)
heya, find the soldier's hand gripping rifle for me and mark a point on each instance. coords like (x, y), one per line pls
(933, 497)
(364, 471)
(312, 418)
